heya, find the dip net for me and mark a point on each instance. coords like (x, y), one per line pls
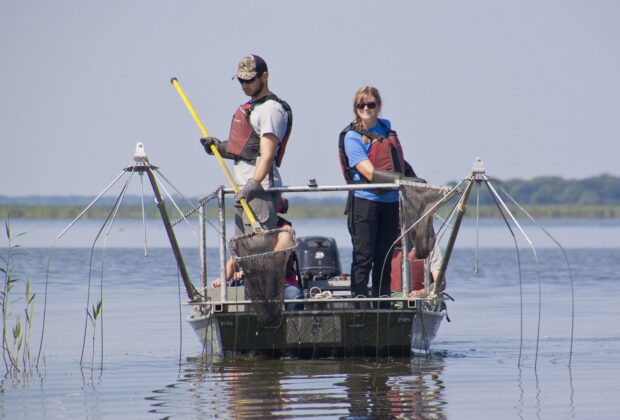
(417, 201)
(264, 270)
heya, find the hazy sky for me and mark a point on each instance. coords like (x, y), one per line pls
(533, 87)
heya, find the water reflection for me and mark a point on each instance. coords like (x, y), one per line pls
(352, 388)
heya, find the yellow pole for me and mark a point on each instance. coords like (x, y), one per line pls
(216, 153)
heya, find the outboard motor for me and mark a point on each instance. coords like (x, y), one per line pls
(318, 258)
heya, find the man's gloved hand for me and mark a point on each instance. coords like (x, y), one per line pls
(251, 189)
(208, 141)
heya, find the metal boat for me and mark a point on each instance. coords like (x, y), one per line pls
(327, 322)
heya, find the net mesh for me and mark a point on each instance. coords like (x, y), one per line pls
(416, 202)
(264, 270)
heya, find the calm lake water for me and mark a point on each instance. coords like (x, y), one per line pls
(151, 358)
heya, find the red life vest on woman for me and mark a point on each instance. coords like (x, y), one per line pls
(243, 142)
(385, 153)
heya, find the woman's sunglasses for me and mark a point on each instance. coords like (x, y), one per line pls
(369, 105)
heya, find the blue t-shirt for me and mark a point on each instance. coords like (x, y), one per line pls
(357, 151)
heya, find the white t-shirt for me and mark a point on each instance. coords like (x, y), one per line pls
(266, 118)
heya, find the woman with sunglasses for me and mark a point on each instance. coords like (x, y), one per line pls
(370, 152)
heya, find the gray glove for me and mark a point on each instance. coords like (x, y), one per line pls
(380, 176)
(251, 189)
(207, 142)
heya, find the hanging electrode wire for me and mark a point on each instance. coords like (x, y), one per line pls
(476, 267)
(494, 192)
(570, 271)
(180, 317)
(161, 184)
(105, 247)
(514, 238)
(146, 248)
(109, 219)
(49, 261)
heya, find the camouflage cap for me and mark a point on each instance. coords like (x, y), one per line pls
(250, 66)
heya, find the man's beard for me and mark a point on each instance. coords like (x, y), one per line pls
(257, 89)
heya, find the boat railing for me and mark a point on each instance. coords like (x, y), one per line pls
(310, 304)
(311, 187)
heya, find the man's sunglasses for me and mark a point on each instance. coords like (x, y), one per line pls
(369, 105)
(248, 81)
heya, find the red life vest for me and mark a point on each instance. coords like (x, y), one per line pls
(243, 142)
(385, 153)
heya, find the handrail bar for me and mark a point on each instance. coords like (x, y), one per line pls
(349, 187)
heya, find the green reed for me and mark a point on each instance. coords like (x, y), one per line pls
(93, 315)
(15, 331)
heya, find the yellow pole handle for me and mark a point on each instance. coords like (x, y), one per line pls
(216, 153)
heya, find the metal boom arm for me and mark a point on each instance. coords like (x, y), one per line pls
(192, 293)
(462, 205)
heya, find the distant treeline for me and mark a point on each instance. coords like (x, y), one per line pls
(599, 190)
(549, 197)
(133, 211)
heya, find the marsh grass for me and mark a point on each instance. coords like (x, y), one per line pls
(16, 331)
(93, 315)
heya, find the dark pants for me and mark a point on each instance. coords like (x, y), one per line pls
(373, 227)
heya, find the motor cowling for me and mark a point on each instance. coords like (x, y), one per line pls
(318, 258)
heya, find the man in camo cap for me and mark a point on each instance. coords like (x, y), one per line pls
(258, 136)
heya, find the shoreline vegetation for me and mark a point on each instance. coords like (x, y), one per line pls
(303, 211)
(596, 197)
